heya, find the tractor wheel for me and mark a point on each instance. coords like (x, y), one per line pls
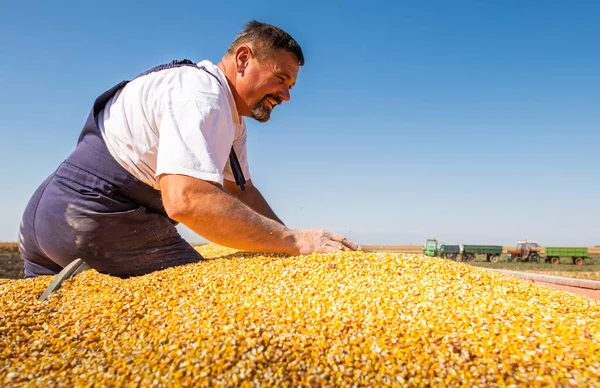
(578, 261)
(494, 258)
(555, 260)
(534, 257)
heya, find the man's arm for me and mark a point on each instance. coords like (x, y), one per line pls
(207, 209)
(251, 197)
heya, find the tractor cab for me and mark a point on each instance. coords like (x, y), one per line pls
(525, 251)
(431, 247)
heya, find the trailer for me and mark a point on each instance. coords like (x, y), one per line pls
(577, 255)
(491, 252)
(432, 248)
(449, 251)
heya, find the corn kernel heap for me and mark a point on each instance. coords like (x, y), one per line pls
(351, 318)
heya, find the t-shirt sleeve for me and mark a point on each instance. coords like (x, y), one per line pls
(241, 151)
(195, 139)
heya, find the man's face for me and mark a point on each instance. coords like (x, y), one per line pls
(267, 83)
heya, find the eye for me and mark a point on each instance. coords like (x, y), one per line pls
(281, 79)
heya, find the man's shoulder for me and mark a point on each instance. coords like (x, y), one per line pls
(192, 77)
(181, 83)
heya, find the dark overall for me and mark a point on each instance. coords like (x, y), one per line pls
(93, 209)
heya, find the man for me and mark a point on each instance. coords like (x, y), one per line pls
(168, 147)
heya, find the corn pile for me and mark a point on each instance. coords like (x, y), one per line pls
(347, 319)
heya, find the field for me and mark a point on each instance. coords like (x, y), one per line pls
(590, 270)
(11, 265)
(8, 247)
(394, 248)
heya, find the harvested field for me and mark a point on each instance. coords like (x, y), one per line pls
(394, 248)
(593, 251)
(577, 275)
(11, 264)
(406, 248)
(589, 271)
(346, 319)
(9, 247)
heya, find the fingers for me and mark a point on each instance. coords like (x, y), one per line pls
(330, 245)
(345, 242)
(351, 245)
(322, 241)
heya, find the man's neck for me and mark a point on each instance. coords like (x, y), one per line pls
(228, 69)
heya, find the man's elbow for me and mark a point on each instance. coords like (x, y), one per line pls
(186, 199)
(177, 210)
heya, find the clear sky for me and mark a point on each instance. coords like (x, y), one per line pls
(469, 121)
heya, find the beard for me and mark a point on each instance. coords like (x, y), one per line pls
(261, 111)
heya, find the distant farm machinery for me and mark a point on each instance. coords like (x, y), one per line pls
(462, 252)
(531, 251)
(526, 251)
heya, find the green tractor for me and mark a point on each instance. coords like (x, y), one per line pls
(431, 247)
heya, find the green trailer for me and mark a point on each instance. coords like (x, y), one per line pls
(577, 255)
(449, 251)
(432, 248)
(491, 252)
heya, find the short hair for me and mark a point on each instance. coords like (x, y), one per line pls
(265, 38)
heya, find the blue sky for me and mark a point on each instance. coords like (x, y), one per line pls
(471, 121)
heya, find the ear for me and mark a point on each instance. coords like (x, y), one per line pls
(243, 54)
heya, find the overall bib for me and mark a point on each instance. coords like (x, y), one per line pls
(93, 209)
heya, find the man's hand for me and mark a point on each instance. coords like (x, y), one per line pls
(321, 241)
(219, 217)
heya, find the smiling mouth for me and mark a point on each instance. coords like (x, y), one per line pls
(271, 101)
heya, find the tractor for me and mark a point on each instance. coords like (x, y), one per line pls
(431, 247)
(525, 251)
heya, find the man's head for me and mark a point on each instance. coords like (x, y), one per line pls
(262, 64)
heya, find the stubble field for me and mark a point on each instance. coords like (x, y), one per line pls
(11, 265)
(590, 270)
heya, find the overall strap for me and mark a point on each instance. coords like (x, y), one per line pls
(170, 65)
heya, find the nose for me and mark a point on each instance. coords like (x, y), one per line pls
(284, 93)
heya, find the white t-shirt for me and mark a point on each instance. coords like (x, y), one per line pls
(175, 121)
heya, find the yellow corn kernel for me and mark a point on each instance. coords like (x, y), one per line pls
(345, 319)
